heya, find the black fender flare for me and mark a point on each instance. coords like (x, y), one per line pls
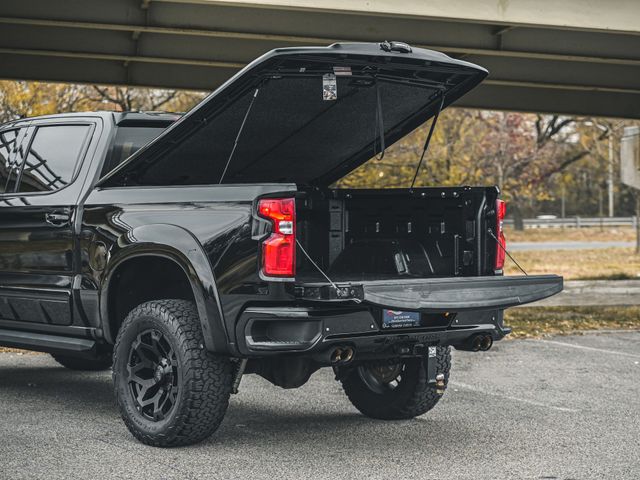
(180, 246)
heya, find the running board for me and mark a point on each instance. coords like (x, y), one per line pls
(47, 343)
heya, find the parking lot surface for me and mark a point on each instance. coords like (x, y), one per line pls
(562, 408)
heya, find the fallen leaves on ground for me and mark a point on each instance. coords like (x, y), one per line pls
(535, 322)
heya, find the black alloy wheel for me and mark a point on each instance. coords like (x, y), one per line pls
(382, 376)
(154, 375)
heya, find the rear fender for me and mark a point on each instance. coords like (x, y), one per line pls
(176, 244)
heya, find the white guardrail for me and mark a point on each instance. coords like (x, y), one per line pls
(576, 222)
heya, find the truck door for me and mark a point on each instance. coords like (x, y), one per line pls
(37, 209)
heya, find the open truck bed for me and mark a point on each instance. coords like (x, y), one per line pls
(426, 249)
(407, 233)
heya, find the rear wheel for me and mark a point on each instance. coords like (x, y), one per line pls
(395, 389)
(170, 390)
(102, 362)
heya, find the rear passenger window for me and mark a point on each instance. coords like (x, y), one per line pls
(8, 168)
(53, 157)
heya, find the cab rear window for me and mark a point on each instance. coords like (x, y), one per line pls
(129, 140)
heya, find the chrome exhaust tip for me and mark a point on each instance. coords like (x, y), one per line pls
(342, 355)
(336, 355)
(347, 355)
(476, 343)
(486, 343)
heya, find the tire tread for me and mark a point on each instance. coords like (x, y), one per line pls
(421, 398)
(206, 377)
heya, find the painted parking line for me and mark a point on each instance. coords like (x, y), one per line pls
(466, 386)
(593, 349)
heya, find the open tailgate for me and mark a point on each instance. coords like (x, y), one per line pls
(444, 294)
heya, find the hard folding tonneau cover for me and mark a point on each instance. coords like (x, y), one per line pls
(302, 115)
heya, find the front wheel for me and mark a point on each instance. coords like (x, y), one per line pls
(395, 389)
(170, 390)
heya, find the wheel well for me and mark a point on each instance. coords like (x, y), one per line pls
(140, 280)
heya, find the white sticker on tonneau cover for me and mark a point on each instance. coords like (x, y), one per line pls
(329, 87)
(342, 71)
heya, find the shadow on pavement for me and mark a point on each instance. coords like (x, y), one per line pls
(248, 422)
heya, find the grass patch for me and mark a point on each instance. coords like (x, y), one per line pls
(597, 264)
(535, 322)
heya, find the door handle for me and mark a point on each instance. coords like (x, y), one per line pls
(57, 219)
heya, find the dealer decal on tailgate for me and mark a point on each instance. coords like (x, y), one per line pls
(399, 319)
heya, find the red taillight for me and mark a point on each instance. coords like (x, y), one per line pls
(501, 209)
(279, 250)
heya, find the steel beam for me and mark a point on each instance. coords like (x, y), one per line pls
(611, 15)
(577, 56)
(312, 40)
(238, 65)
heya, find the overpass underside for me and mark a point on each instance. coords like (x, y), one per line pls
(581, 57)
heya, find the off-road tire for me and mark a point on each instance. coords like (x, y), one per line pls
(412, 397)
(102, 362)
(204, 386)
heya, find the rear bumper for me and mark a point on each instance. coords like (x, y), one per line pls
(265, 331)
(351, 315)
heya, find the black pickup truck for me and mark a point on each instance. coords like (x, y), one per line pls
(186, 251)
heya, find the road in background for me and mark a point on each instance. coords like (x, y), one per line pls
(575, 222)
(573, 245)
(593, 293)
(564, 408)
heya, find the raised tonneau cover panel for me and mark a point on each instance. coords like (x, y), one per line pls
(306, 115)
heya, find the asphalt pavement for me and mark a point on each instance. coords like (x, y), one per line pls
(563, 408)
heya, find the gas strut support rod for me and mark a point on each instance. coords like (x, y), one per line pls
(235, 143)
(507, 252)
(379, 126)
(428, 140)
